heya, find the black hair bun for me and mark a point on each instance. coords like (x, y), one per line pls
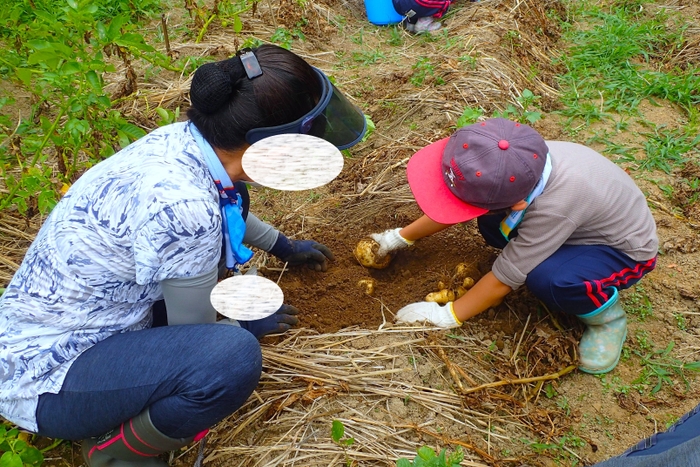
(211, 88)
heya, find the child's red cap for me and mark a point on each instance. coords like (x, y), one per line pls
(485, 166)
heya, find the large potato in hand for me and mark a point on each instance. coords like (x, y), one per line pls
(366, 254)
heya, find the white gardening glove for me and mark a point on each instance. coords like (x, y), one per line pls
(442, 316)
(390, 240)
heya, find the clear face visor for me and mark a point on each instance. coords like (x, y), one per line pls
(334, 119)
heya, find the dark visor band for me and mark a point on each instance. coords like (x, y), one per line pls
(334, 118)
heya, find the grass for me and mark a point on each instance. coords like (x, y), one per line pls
(620, 58)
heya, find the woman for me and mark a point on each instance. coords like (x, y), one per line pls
(143, 231)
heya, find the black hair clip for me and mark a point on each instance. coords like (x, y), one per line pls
(250, 63)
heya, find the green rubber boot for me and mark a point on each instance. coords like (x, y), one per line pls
(601, 343)
(135, 443)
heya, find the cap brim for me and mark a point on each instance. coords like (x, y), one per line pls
(424, 173)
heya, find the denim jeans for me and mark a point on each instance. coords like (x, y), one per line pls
(575, 279)
(190, 376)
(679, 446)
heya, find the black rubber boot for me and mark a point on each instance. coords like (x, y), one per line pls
(135, 443)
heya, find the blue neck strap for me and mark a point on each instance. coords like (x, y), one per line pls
(230, 202)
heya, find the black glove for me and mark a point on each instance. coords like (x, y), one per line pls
(278, 322)
(296, 252)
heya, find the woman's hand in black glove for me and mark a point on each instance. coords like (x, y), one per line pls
(278, 322)
(297, 252)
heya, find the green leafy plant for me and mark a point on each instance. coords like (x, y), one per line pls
(61, 51)
(523, 113)
(427, 457)
(284, 37)
(370, 128)
(338, 437)
(167, 116)
(17, 452)
(423, 69)
(469, 115)
(637, 303)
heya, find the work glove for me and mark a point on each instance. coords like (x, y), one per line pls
(390, 240)
(280, 321)
(431, 312)
(297, 252)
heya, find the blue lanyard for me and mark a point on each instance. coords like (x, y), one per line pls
(230, 202)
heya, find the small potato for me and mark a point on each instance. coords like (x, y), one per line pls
(460, 291)
(369, 285)
(443, 296)
(366, 254)
(463, 270)
(468, 283)
(441, 285)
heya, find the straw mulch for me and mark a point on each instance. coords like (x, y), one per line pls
(464, 389)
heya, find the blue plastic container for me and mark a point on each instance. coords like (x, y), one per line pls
(381, 12)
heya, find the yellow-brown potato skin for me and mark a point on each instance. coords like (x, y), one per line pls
(366, 254)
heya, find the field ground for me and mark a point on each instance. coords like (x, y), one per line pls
(395, 388)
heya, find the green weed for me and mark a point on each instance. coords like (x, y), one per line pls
(469, 115)
(338, 437)
(659, 367)
(560, 449)
(527, 112)
(423, 69)
(427, 457)
(368, 58)
(17, 452)
(637, 303)
(396, 36)
(666, 149)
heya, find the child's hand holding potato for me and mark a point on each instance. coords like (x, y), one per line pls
(390, 240)
(429, 312)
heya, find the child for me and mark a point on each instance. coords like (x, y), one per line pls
(420, 13)
(573, 227)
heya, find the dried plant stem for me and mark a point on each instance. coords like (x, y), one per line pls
(505, 382)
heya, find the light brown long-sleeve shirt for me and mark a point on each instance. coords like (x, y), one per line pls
(588, 200)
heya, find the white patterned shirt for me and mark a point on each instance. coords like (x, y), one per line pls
(148, 213)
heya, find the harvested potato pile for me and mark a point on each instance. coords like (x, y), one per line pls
(463, 279)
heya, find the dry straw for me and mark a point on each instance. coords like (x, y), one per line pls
(372, 381)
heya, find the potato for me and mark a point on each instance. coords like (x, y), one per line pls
(468, 283)
(460, 291)
(441, 285)
(443, 296)
(463, 270)
(366, 254)
(368, 285)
